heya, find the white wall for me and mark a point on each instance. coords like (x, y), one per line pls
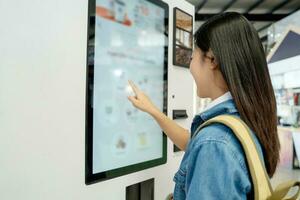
(285, 73)
(42, 105)
(278, 28)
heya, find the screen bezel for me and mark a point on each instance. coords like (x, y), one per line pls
(90, 177)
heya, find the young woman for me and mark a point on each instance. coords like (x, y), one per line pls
(229, 66)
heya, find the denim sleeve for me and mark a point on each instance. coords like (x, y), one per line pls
(214, 172)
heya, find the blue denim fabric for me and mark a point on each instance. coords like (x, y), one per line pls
(214, 164)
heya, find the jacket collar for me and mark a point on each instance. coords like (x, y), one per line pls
(226, 96)
(226, 107)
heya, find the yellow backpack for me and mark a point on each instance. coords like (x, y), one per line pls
(262, 186)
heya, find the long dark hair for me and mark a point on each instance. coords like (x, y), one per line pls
(240, 56)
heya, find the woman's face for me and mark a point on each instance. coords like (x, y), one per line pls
(201, 68)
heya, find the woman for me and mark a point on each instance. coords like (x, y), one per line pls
(229, 66)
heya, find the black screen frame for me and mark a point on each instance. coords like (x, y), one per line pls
(91, 178)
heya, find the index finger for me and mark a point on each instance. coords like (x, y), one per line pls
(134, 87)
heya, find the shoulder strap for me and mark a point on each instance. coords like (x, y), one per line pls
(262, 186)
(283, 189)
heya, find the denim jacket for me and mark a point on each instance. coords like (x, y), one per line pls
(214, 164)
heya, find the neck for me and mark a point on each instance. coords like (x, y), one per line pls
(218, 93)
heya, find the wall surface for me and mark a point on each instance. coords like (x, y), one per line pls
(42, 105)
(276, 30)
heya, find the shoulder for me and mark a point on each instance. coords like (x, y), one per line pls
(217, 159)
(212, 132)
(221, 136)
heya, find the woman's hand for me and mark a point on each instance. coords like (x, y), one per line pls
(179, 135)
(141, 100)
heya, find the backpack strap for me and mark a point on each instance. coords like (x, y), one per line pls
(282, 190)
(262, 186)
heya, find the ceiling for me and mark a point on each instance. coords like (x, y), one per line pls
(262, 13)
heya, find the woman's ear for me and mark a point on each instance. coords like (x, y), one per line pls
(214, 64)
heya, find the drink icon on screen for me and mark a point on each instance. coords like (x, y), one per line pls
(142, 140)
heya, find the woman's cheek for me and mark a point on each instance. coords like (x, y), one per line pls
(193, 68)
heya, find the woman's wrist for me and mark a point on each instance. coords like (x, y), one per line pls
(154, 111)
